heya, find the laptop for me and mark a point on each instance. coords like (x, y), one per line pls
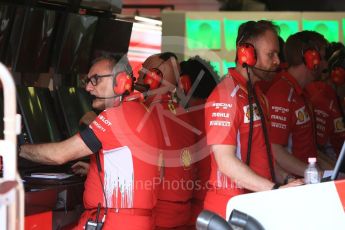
(339, 166)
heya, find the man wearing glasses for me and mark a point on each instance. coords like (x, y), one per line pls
(119, 189)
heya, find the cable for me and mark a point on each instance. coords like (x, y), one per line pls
(251, 95)
(100, 180)
(267, 142)
(251, 116)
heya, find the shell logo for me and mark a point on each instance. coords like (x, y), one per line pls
(300, 116)
(186, 158)
(172, 107)
(161, 164)
(339, 125)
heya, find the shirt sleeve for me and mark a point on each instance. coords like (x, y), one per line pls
(106, 127)
(280, 114)
(90, 139)
(221, 117)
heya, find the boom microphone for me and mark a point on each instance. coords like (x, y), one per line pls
(266, 70)
(245, 65)
(93, 97)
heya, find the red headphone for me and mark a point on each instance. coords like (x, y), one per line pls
(185, 83)
(246, 54)
(311, 58)
(338, 75)
(153, 78)
(336, 65)
(123, 83)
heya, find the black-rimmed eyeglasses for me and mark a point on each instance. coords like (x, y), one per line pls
(94, 78)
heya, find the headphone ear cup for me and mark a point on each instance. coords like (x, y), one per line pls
(122, 83)
(185, 83)
(246, 54)
(338, 75)
(153, 78)
(311, 59)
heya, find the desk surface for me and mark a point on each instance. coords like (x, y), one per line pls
(316, 206)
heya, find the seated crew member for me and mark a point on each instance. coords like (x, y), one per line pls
(197, 80)
(123, 159)
(326, 104)
(173, 209)
(239, 162)
(292, 127)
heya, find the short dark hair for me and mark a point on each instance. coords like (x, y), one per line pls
(253, 29)
(337, 59)
(167, 55)
(209, 80)
(299, 42)
(333, 47)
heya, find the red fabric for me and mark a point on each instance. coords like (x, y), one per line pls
(202, 158)
(264, 86)
(291, 121)
(227, 122)
(327, 115)
(172, 214)
(118, 221)
(129, 156)
(42, 220)
(176, 189)
(216, 201)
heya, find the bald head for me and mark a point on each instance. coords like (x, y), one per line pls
(167, 64)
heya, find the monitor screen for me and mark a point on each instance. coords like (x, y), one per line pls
(111, 37)
(38, 114)
(74, 44)
(74, 103)
(340, 164)
(6, 20)
(32, 39)
(39, 122)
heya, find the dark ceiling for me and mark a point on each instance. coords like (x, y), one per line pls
(288, 5)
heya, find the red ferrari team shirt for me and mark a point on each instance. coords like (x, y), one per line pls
(173, 206)
(201, 151)
(128, 156)
(290, 115)
(227, 123)
(329, 124)
(264, 86)
(176, 147)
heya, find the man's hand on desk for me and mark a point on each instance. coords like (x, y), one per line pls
(81, 168)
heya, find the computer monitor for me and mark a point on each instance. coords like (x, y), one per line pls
(73, 103)
(39, 121)
(111, 37)
(72, 54)
(340, 164)
(31, 41)
(7, 13)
